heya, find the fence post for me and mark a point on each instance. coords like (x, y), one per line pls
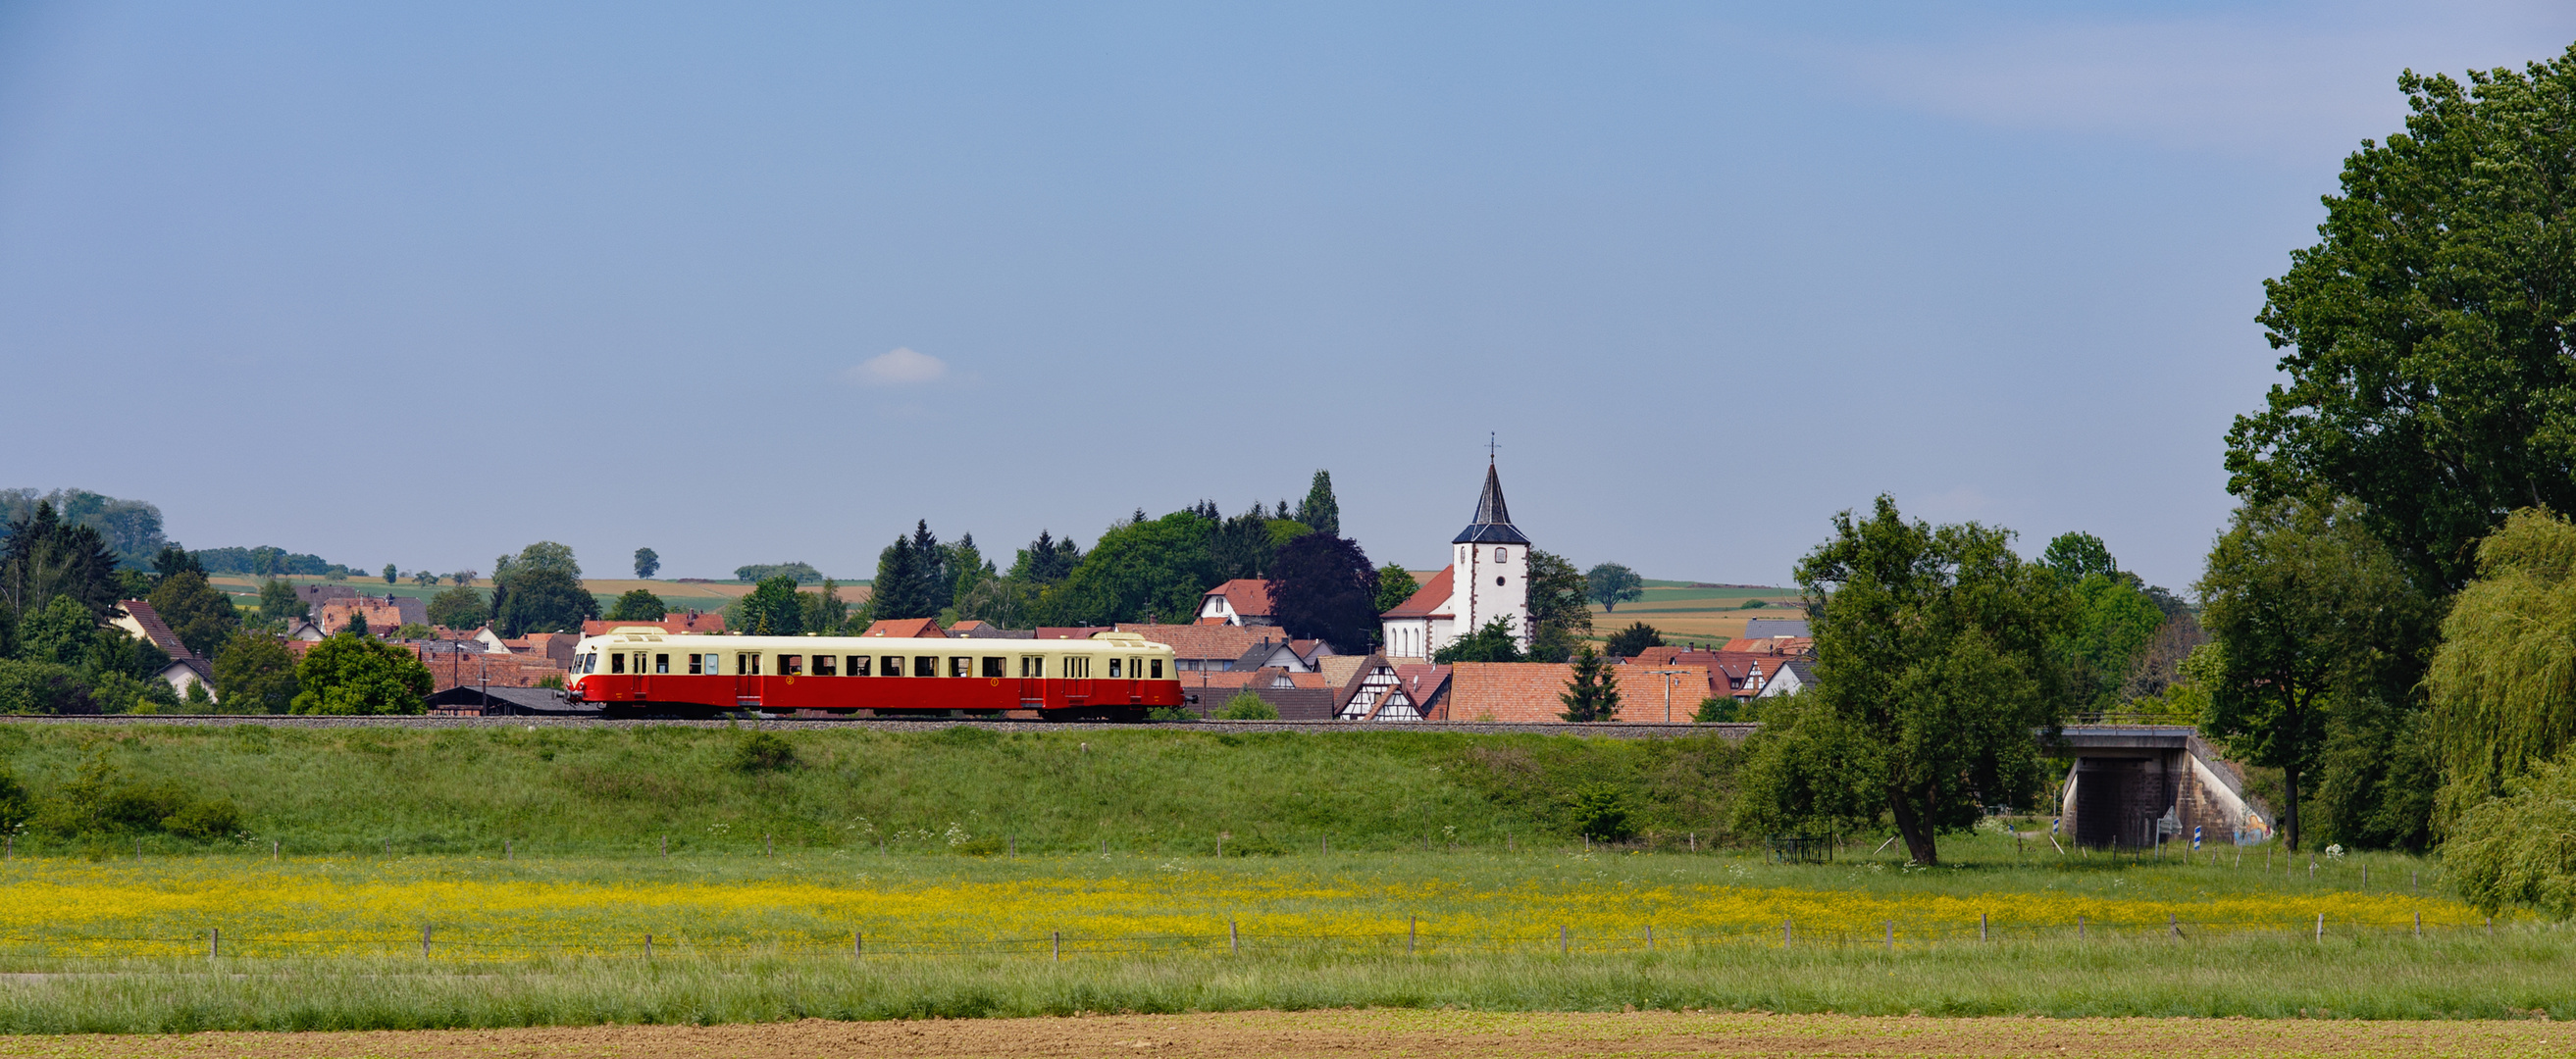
(666, 845)
(1233, 937)
(768, 846)
(2419, 923)
(2321, 926)
(1694, 842)
(858, 945)
(1891, 935)
(1014, 840)
(2170, 925)
(1981, 926)
(215, 944)
(2410, 882)
(1411, 925)
(648, 946)
(1650, 937)
(1784, 932)
(272, 850)
(424, 941)
(2079, 926)
(1564, 941)
(1328, 845)
(1055, 942)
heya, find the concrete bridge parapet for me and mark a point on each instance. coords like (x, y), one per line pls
(2136, 784)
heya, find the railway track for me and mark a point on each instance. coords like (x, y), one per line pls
(1612, 730)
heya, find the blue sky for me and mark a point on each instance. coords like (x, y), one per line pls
(424, 285)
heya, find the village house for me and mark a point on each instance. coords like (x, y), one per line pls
(383, 614)
(184, 668)
(683, 624)
(1231, 648)
(1242, 601)
(1529, 692)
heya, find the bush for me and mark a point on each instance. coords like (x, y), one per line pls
(1715, 709)
(142, 806)
(16, 805)
(213, 819)
(763, 752)
(1601, 812)
(1246, 706)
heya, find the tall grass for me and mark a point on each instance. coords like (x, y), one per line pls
(626, 789)
(2378, 978)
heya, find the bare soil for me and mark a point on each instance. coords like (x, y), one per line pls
(1342, 1034)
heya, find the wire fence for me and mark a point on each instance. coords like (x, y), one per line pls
(433, 945)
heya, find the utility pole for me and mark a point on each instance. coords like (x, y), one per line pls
(1668, 675)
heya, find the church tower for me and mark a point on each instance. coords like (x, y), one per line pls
(1490, 560)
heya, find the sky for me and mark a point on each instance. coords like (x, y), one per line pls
(752, 283)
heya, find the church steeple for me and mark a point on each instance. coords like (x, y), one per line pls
(1493, 524)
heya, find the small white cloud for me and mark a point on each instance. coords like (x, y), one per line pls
(898, 367)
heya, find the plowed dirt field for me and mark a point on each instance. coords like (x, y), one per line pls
(1353, 1033)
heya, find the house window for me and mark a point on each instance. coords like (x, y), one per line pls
(993, 665)
(858, 665)
(661, 663)
(1502, 555)
(791, 665)
(826, 666)
(1498, 582)
(925, 665)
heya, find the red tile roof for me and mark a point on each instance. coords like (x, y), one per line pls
(1249, 596)
(907, 628)
(1204, 642)
(1526, 692)
(1428, 600)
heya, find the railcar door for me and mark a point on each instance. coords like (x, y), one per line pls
(1077, 680)
(746, 679)
(1033, 682)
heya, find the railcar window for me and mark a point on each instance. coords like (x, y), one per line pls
(617, 663)
(961, 667)
(661, 663)
(695, 666)
(746, 665)
(992, 665)
(893, 666)
(1113, 669)
(925, 665)
(1077, 667)
(1032, 667)
(1158, 669)
(639, 663)
(826, 666)
(791, 665)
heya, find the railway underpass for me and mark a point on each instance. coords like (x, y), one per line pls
(2137, 785)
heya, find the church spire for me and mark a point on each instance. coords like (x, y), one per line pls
(1493, 524)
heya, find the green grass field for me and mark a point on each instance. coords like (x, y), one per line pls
(995, 874)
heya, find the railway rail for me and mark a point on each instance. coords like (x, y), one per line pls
(1610, 730)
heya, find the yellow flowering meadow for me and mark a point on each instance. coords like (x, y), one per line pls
(474, 907)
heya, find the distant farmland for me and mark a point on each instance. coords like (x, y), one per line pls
(1685, 614)
(677, 595)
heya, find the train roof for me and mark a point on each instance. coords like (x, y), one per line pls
(1106, 642)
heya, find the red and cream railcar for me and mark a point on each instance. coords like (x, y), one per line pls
(642, 669)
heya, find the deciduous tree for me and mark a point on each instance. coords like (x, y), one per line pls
(1611, 584)
(647, 563)
(1395, 584)
(1560, 618)
(458, 608)
(356, 675)
(256, 674)
(771, 609)
(1491, 642)
(637, 604)
(543, 599)
(2503, 680)
(1157, 568)
(1322, 587)
(199, 613)
(2425, 333)
(1936, 667)
(2311, 617)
